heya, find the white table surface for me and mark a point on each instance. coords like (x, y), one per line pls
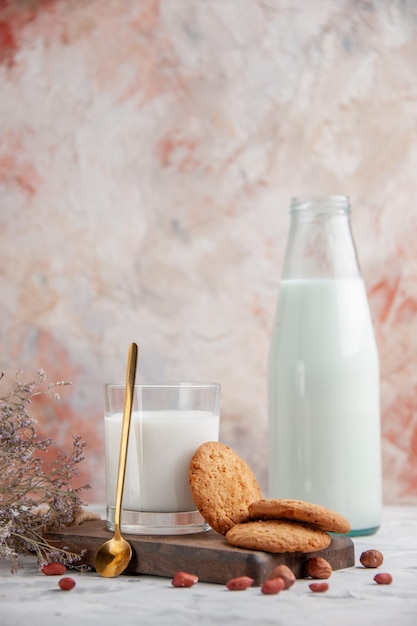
(353, 599)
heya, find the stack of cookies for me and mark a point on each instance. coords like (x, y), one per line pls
(228, 496)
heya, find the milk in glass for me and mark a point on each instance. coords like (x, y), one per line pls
(170, 420)
(161, 444)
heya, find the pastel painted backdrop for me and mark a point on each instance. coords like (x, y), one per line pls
(148, 153)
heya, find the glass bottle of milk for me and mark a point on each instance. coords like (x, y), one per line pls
(324, 412)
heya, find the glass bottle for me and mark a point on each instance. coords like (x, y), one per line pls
(324, 411)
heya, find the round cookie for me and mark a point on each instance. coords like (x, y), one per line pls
(277, 536)
(222, 485)
(299, 511)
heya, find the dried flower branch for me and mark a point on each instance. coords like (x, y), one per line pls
(34, 496)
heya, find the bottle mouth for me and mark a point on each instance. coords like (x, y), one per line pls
(320, 204)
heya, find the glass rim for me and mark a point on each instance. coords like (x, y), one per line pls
(166, 384)
(331, 202)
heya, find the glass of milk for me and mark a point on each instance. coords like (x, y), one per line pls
(170, 420)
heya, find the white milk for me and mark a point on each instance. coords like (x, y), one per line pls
(324, 399)
(161, 444)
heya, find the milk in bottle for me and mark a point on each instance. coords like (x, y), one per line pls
(324, 415)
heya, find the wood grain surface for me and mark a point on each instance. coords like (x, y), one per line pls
(206, 555)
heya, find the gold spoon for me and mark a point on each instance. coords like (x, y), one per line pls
(113, 557)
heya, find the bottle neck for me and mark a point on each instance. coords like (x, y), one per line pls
(320, 205)
(320, 243)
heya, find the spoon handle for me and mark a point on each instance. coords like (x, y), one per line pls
(124, 440)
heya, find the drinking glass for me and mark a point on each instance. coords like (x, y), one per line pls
(170, 420)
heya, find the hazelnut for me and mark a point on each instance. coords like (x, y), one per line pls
(317, 567)
(284, 572)
(371, 558)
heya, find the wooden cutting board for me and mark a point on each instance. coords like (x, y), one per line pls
(207, 555)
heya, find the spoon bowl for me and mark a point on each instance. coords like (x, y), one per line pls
(114, 555)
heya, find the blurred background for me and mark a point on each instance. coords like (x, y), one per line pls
(148, 153)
